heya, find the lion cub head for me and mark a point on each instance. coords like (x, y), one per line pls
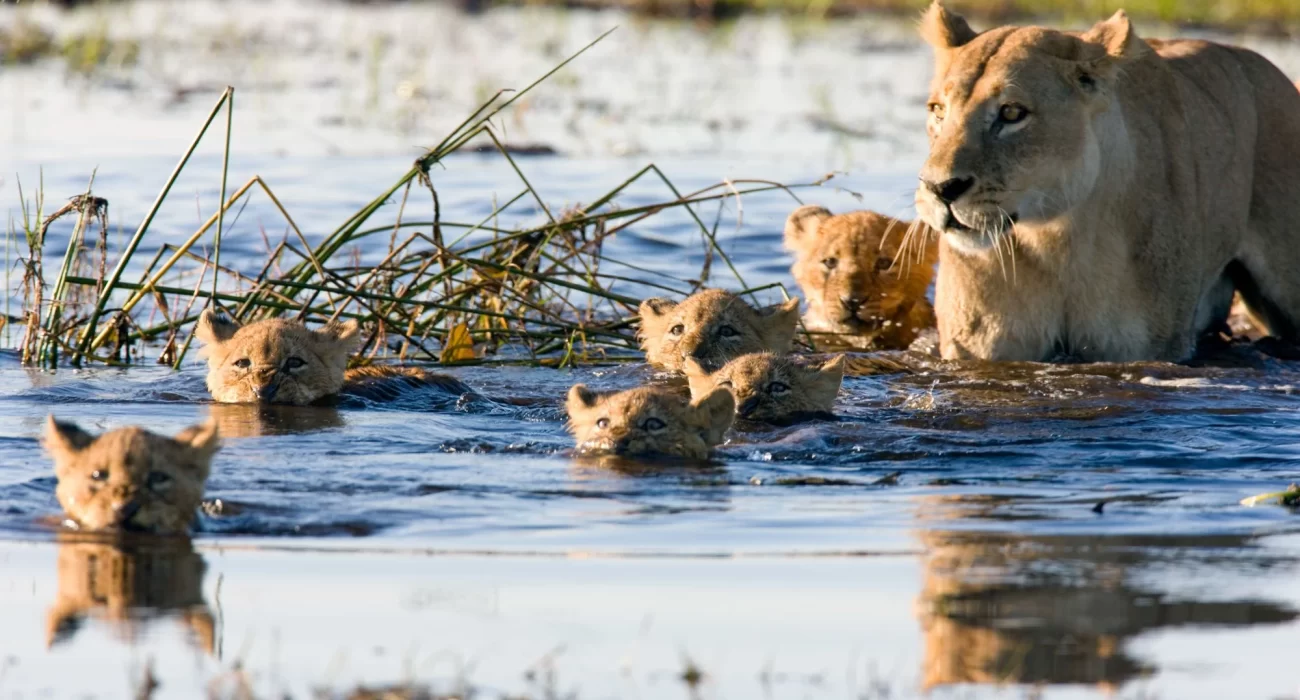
(711, 327)
(772, 388)
(131, 478)
(274, 360)
(648, 421)
(128, 585)
(859, 282)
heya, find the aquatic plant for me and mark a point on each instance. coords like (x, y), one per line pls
(443, 291)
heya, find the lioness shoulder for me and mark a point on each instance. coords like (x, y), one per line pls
(130, 478)
(712, 327)
(865, 276)
(648, 421)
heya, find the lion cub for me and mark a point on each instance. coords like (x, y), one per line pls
(712, 327)
(772, 388)
(131, 478)
(648, 421)
(857, 283)
(280, 361)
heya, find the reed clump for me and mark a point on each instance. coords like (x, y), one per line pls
(429, 289)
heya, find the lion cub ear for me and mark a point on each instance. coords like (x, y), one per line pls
(215, 328)
(654, 315)
(802, 226)
(580, 398)
(698, 378)
(831, 375)
(64, 439)
(203, 438)
(777, 324)
(343, 334)
(944, 30)
(714, 414)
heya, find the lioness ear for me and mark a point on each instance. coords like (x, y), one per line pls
(1117, 37)
(64, 439)
(203, 438)
(777, 325)
(715, 413)
(215, 328)
(803, 224)
(580, 397)
(944, 30)
(345, 333)
(697, 378)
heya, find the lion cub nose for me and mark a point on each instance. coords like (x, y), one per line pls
(852, 304)
(950, 190)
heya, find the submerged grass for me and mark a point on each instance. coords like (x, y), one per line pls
(442, 291)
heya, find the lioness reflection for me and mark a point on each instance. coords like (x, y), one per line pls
(127, 584)
(1002, 608)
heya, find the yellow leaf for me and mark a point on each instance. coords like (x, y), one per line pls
(458, 346)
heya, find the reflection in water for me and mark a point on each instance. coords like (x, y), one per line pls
(1015, 608)
(128, 583)
(255, 420)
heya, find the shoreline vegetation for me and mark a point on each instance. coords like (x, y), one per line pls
(446, 292)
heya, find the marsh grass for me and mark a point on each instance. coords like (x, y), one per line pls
(451, 292)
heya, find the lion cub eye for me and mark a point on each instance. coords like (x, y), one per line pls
(159, 480)
(1012, 113)
(728, 332)
(99, 475)
(777, 388)
(830, 263)
(653, 424)
(677, 330)
(602, 423)
(295, 363)
(243, 363)
(936, 110)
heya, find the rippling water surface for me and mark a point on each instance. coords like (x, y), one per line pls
(962, 530)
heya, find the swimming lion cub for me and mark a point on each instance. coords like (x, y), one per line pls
(649, 421)
(859, 283)
(131, 478)
(712, 327)
(772, 388)
(280, 361)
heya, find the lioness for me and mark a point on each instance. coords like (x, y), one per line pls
(280, 361)
(648, 421)
(772, 388)
(131, 478)
(860, 283)
(1101, 196)
(713, 326)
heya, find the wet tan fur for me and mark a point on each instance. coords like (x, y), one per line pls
(1100, 225)
(860, 282)
(689, 429)
(770, 387)
(147, 482)
(712, 327)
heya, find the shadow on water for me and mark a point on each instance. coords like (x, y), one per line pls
(127, 585)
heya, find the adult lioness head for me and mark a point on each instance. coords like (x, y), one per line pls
(862, 283)
(1013, 127)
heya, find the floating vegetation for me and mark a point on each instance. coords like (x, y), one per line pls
(1289, 498)
(443, 291)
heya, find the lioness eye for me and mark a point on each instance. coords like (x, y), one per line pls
(1012, 113)
(830, 263)
(777, 388)
(727, 332)
(677, 329)
(602, 423)
(159, 480)
(883, 264)
(99, 475)
(295, 362)
(243, 363)
(653, 424)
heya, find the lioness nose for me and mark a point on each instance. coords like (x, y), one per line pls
(851, 304)
(950, 190)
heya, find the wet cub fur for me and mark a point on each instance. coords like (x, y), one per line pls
(859, 284)
(648, 421)
(127, 584)
(285, 362)
(712, 327)
(131, 478)
(772, 388)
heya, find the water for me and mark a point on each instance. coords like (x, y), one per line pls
(942, 537)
